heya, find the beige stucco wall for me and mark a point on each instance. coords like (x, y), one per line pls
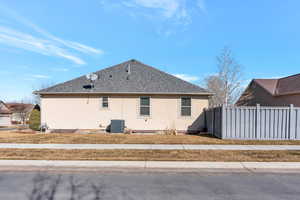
(85, 112)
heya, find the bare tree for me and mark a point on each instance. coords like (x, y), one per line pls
(23, 112)
(226, 84)
(36, 98)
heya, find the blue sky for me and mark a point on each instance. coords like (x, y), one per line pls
(43, 42)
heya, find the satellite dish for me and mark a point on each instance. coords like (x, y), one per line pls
(92, 76)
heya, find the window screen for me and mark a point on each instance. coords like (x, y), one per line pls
(145, 106)
(186, 106)
(104, 102)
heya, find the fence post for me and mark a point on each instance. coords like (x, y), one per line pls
(223, 122)
(205, 121)
(212, 112)
(257, 122)
(292, 122)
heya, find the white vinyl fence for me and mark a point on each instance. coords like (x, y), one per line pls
(256, 123)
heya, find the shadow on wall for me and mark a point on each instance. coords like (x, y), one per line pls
(198, 125)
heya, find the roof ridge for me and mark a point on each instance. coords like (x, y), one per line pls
(276, 87)
(264, 86)
(160, 81)
(169, 75)
(289, 76)
(265, 79)
(282, 81)
(113, 66)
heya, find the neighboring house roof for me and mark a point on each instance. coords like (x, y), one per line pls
(288, 85)
(4, 108)
(128, 77)
(267, 84)
(281, 86)
(17, 107)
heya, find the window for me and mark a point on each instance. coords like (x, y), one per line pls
(104, 102)
(186, 106)
(145, 106)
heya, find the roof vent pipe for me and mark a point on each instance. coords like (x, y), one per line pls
(128, 69)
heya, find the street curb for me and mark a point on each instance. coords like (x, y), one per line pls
(150, 164)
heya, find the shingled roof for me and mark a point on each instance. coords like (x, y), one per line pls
(131, 77)
(282, 86)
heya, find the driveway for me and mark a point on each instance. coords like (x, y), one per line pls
(151, 185)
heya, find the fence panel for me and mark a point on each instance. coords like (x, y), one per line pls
(297, 123)
(260, 123)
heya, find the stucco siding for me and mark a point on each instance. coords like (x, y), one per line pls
(85, 112)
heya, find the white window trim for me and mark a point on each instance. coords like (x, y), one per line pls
(180, 106)
(139, 108)
(101, 103)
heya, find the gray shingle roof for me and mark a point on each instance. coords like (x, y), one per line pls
(116, 79)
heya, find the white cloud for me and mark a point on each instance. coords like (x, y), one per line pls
(29, 79)
(176, 11)
(84, 48)
(187, 77)
(48, 44)
(60, 69)
(70, 44)
(169, 8)
(38, 45)
(40, 76)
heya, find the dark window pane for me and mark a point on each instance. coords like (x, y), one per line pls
(145, 111)
(104, 99)
(186, 111)
(185, 101)
(105, 105)
(145, 101)
(105, 102)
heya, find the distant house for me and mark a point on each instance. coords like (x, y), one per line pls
(146, 98)
(20, 112)
(5, 115)
(272, 92)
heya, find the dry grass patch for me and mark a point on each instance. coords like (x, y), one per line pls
(76, 138)
(154, 155)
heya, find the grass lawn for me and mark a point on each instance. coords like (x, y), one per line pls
(75, 138)
(153, 155)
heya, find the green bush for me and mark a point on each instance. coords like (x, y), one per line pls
(35, 120)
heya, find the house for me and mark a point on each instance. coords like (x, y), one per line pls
(5, 115)
(146, 98)
(272, 92)
(20, 112)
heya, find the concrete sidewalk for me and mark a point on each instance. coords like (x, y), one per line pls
(148, 146)
(10, 164)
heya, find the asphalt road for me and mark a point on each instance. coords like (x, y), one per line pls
(149, 185)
